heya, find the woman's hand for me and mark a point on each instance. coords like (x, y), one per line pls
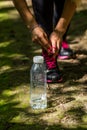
(39, 36)
(56, 40)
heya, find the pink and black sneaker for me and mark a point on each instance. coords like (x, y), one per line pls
(66, 52)
(53, 72)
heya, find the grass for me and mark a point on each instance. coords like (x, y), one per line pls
(67, 101)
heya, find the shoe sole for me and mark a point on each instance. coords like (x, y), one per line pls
(58, 81)
(66, 57)
(63, 57)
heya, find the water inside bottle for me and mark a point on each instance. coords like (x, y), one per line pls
(38, 101)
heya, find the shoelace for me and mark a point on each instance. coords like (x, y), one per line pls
(50, 61)
(65, 45)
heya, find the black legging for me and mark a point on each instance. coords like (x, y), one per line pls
(47, 13)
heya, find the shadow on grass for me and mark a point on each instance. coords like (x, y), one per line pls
(20, 126)
(16, 53)
(78, 25)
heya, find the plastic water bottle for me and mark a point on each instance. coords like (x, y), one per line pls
(38, 93)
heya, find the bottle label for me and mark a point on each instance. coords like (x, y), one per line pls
(38, 80)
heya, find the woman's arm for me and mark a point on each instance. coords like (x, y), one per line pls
(61, 27)
(67, 14)
(68, 11)
(38, 34)
(25, 13)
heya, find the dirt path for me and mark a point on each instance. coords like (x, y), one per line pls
(67, 101)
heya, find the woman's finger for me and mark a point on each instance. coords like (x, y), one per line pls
(46, 44)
